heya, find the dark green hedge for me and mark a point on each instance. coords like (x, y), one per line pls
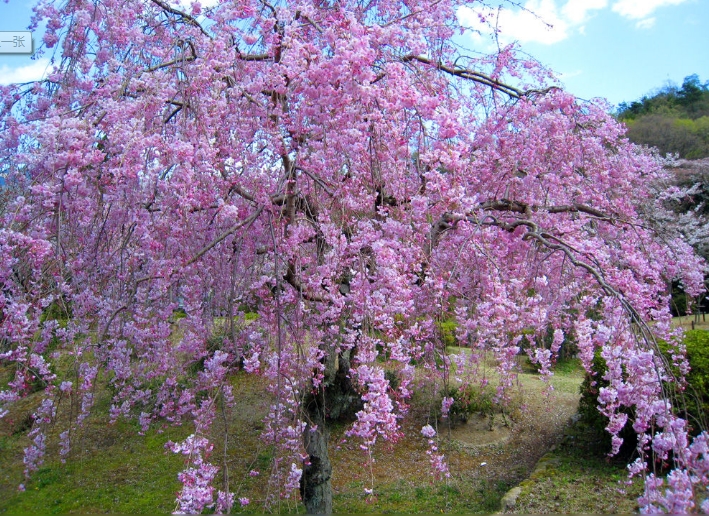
(692, 404)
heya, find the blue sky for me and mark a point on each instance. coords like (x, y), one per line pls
(617, 49)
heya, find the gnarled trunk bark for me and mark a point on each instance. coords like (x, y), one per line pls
(315, 485)
(334, 399)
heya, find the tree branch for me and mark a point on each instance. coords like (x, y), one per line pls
(170, 63)
(481, 78)
(186, 17)
(527, 209)
(299, 15)
(254, 57)
(249, 220)
(293, 281)
(472, 75)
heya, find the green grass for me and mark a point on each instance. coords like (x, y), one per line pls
(112, 469)
(574, 478)
(458, 495)
(121, 473)
(685, 321)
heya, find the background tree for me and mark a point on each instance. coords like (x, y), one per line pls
(684, 198)
(675, 120)
(257, 156)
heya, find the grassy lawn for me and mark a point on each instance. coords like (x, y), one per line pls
(113, 469)
(110, 468)
(701, 322)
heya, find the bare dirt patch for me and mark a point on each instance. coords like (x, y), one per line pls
(482, 430)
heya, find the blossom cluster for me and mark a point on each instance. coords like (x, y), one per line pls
(439, 467)
(308, 194)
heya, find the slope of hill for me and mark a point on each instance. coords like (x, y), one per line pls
(674, 119)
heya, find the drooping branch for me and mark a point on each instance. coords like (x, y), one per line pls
(109, 322)
(555, 243)
(506, 205)
(236, 227)
(317, 179)
(172, 62)
(185, 17)
(580, 208)
(449, 220)
(465, 73)
(299, 15)
(527, 209)
(255, 57)
(552, 242)
(179, 107)
(480, 78)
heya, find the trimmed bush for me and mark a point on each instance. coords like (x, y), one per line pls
(469, 400)
(594, 422)
(695, 400)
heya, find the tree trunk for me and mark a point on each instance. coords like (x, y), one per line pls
(334, 399)
(315, 485)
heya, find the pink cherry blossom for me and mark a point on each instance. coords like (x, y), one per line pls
(306, 192)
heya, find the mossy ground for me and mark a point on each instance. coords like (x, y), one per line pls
(573, 478)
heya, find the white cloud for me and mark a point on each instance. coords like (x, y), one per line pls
(576, 11)
(552, 21)
(640, 9)
(541, 21)
(28, 73)
(476, 19)
(647, 23)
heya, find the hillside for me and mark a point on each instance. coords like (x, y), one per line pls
(673, 119)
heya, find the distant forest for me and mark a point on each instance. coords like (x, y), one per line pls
(674, 119)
